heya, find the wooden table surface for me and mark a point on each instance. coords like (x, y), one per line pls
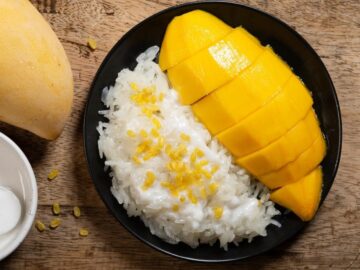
(332, 241)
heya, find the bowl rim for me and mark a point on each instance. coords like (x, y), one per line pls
(31, 212)
(194, 4)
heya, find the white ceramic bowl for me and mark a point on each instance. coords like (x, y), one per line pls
(17, 175)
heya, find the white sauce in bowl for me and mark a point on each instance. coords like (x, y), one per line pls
(10, 210)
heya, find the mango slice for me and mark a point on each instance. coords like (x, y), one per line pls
(293, 171)
(250, 90)
(301, 197)
(212, 67)
(213, 113)
(269, 123)
(284, 150)
(252, 102)
(188, 34)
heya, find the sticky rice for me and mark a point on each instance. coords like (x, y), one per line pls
(168, 170)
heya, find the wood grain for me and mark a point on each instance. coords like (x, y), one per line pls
(332, 241)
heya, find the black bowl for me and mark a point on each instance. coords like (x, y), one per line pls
(270, 30)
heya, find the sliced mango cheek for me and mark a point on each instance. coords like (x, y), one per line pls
(268, 123)
(188, 34)
(284, 150)
(303, 196)
(293, 171)
(210, 68)
(212, 114)
(241, 96)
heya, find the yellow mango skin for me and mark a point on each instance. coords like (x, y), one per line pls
(214, 66)
(284, 150)
(297, 169)
(268, 123)
(246, 93)
(188, 34)
(36, 86)
(301, 197)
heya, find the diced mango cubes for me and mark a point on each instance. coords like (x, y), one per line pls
(301, 197)
(188, 34)
(194, 77)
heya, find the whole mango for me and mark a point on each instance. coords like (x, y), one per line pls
(36, 85)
